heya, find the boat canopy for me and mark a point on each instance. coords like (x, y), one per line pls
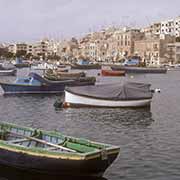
(48, 82)
(37, 77)
(125, 91)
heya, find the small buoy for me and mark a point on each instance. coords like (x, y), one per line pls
(157, 90)
(131, 76)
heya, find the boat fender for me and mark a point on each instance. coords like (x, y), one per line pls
(157, 90)
(66, 105)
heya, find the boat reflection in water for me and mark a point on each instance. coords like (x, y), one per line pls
(141, 117)
(9, 173)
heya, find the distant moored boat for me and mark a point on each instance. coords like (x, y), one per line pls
(105, 72)
(34, 84)
(128, 69)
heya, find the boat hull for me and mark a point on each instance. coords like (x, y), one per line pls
(89, 66)
(112, 73)
(22, 65)
(53, 166)
(43, 89)
(27, 89)
(77, 100)
(8, 72)
(139, 69)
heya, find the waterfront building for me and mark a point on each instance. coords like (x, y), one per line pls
(30, 49)
(121, 44)
(167, 27)
(12, 48)
(21, 47)
(153, 49)
(41, 48)
(173, 53)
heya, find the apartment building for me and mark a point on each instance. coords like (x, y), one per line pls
(12, 48)
(167, 27)
(173, 53)
(153, 49)
(21, 47)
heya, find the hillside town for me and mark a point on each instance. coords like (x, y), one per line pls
(156, 44)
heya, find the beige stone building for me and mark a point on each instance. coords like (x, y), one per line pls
(173, 53)
(12, 48)
(122, 43)
(21, 47)
(153, 49)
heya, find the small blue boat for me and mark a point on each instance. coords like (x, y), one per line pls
(34, 84)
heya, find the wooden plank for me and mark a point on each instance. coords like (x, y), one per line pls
(18, 140)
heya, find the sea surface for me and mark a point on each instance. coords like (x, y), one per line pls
(149, 137)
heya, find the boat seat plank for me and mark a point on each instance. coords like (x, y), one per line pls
(25, 143)
(27, 133)
(51, 148)
(14, 130)
(18, 140)
(32, 144)
(20, 131)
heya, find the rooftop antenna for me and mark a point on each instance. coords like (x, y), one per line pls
(147, 19)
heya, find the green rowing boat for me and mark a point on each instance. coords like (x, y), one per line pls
(50, 152)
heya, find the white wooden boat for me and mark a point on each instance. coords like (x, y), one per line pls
(126, 95)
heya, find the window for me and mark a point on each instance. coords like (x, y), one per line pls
(155, 46)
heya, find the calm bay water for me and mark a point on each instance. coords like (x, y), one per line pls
(149, 138)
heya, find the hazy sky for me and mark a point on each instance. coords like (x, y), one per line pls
(30, 20)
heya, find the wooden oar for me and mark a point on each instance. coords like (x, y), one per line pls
(43, 142)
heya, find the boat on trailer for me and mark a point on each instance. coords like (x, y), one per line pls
(128, 94)
(50, 152)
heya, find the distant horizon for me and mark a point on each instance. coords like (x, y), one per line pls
(32, 20)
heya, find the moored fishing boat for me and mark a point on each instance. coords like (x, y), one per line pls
(8, 72)
(59, 75)
(7, 69)
(129, 94)
(34, 84)
(128, 69)
(53, 153)
(85, 66)
(105, 72)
